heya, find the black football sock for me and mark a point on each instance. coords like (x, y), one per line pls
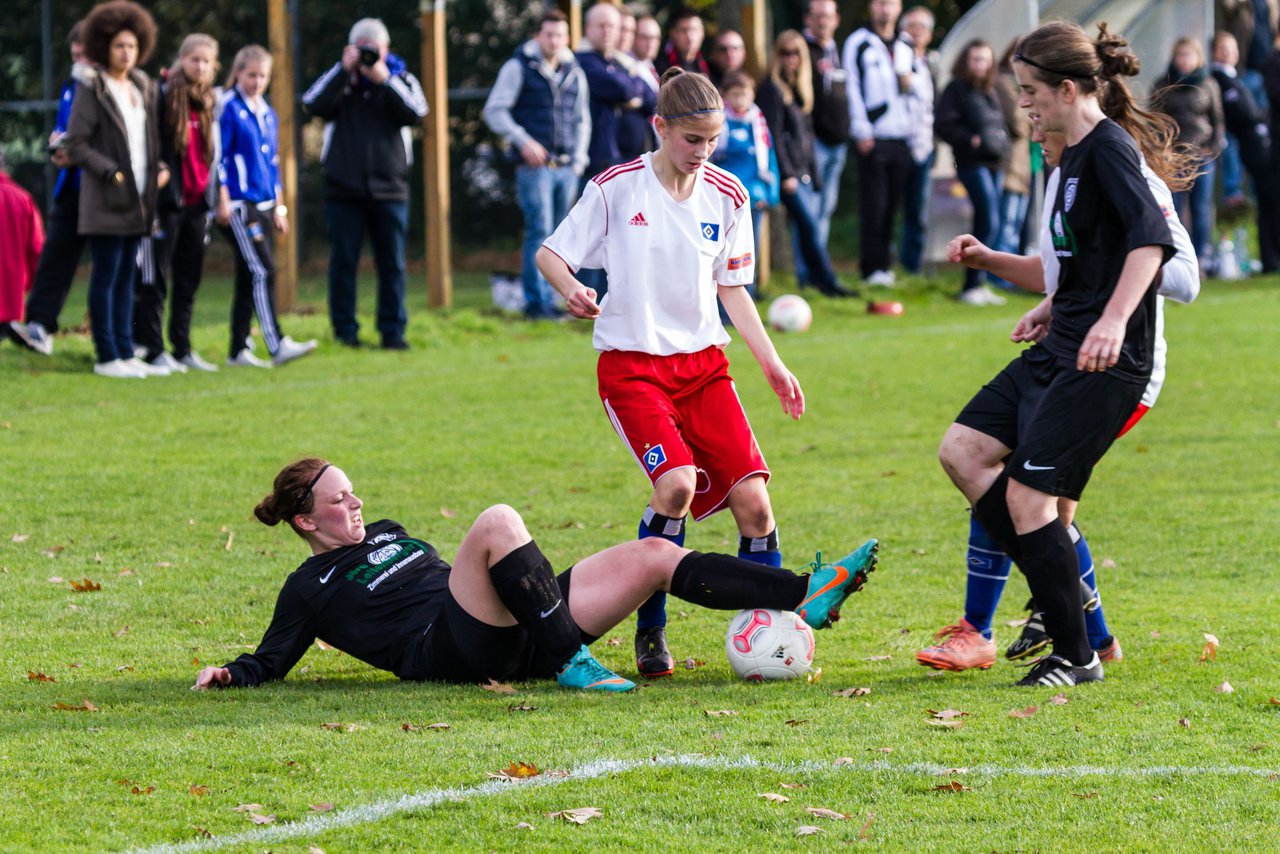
(729, 584)
(1050, 564)
(992, 510)
(526, 585)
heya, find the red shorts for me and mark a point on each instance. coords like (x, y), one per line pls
(682, 410)
(1142, 410)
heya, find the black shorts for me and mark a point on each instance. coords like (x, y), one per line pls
(459, 648)
(1059, 421)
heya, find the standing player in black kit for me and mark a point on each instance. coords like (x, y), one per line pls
(1054, 411)
(388, 599)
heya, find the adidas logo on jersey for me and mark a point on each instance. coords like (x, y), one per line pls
(639, 219)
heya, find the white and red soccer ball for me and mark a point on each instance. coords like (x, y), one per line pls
(790, 313)
(764, 644)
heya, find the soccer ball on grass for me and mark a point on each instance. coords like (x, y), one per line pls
(765, 644)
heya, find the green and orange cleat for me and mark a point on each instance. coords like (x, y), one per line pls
(584, 673)
(831, 583)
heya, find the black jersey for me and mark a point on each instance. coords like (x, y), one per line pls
(373, 601)
(1103, 211)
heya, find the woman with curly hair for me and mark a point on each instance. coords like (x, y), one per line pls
(113, 136)
(188, 140)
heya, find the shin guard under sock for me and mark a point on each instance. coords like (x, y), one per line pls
(1049, 562)
(731, 584)
(1094, 621)
(992, 510)
(527, 587)
(762, 550)
(653, 611)
(988, 573)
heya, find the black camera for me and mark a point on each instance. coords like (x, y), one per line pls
(369, 55)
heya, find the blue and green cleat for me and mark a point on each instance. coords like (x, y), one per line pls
(831, 583)
(584, 673)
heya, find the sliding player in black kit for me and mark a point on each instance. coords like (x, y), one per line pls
(1054, 411)
(499, 612)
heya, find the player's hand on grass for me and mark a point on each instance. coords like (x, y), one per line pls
(582, 303)
(1101, 347)
(969, 251)
(786, 387)
(1033, 326)
(211, 676)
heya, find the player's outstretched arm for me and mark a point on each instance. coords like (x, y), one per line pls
(578, 298)
(1024, 271)
(742, 311)
(212, 677)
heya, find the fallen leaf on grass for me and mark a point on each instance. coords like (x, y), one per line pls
(261, 819)
(692, 663)
(53, 551)
(75, 665)
(496, 687)
(521, 707)
(84, 706)
(794, 786)
(878, 658)
(719, 713)
(120, 632)
(613, 642)
(125, 572)
(1084, 796)
(951, 772)
(1024, 713)
(1108, 563)
(198, 790)
(866, 827)
(1210, 651)
(124, 668)
(524, 825)
(953, 786)
(412, 727)
(823, 812)
(85, 586)
(140, 791)
(814, 675)
(55, 579)
(516, 771)
(231, 538)
(37, 676)
(1225, 688)
(1155, 635)
(314, 849)
(164, 564)
(807, 830)
(843, 760)
(1059, 700)
(338, 727)
(1184, 723)
(1275, 702)
(774, 798)
(946, 724)
(248, 808)
(325, 807)
(20, 538)
(447, 513)
(581, 815)
(947, 714)
(1157, 797)
(852, 692)
(795, 722)
(202, 832)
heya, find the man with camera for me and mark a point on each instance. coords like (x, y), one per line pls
(369, 100)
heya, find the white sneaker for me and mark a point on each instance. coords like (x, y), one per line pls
(33, 336)
(246, 359)
(290, 350)
(882, 279)
(119, 369)
(147, 369)
(166, 360)
(981, 295)
(193, 360)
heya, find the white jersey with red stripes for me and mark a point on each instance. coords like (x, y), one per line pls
(664, 258)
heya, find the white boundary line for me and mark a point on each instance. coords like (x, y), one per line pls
(379, 810)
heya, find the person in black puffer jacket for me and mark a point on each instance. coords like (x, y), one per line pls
(1189, 95)
(369, 101)
(970, 120)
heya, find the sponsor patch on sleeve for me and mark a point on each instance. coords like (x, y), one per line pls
(741, 262)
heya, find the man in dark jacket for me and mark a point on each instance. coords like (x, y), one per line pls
(540, 106)
(369, 100)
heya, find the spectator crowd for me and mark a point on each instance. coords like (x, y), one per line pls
(149, 169)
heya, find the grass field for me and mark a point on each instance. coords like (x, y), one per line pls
(146, 488)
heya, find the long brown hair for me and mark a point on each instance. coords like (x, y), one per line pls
(1060, 51)
(686, 93)
(291, 493)
(960, 68)
(183, 95)
(799, 90)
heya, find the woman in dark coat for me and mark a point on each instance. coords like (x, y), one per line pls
(970, 120)
(113, 137)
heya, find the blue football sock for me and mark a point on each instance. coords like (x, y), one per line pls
(653, 612)
(1094, 621)
(762, 550)
(988, 572)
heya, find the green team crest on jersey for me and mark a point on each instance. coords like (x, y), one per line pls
(1064, 239)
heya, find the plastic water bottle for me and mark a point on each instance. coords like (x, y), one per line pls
(1228, 264)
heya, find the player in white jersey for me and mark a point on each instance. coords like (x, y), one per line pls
(968, 644)
(674, 232)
